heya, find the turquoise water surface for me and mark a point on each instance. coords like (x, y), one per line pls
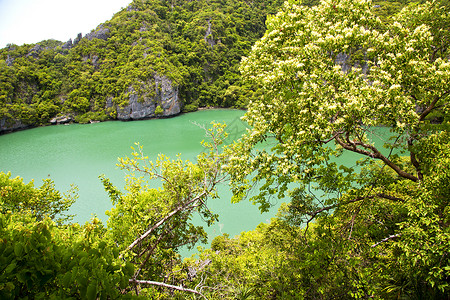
(78, 154)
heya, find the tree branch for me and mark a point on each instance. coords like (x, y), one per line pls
(380, 195)
(150, 250)
(431, 106)
(413, 159)
(174, 287)
(179, 208)
(386, 239)
(352, 146)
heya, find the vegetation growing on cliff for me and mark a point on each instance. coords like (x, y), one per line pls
(196, 45)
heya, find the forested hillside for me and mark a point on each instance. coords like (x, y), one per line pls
(153, 58)
(150, 59)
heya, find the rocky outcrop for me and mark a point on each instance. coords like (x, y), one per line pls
(77, 39)
(94, 59)
(132, 8)
(9, 125)
(144, 106)
(34, 52)
(67, 45)
(61, 120)
(208, 35)
(9, 61)
(167, 96)
(101, 33)
(345, 61)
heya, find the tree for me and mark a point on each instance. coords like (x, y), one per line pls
(147, 227)
(43, 257)
(151, 224)
(41, 260)
(330, 75)
(46, 201)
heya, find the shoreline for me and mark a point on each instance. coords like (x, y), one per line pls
(116, 120)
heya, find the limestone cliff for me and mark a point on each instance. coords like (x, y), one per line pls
(159, 97)
(9, 124)
(144, 106)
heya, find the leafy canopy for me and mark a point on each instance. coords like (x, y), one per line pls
(330, 74)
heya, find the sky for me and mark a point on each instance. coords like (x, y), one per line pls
(31, 21)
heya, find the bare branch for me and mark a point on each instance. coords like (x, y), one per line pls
(150, 250)
(174, 287)
(393, 236)
(179, 208)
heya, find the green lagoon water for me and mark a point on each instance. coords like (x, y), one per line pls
(78, 154)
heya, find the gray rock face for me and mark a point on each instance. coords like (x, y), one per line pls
(7, 125)
(132, 8)
(34, 52)
(344, 60)
(101, 33)
(208, 35)
(165, 95)
(77, 39)
(95, 61)
(109, 102)
(67, 45)
(61, 120)
(9, 61)
(168, 96)
(136, 110)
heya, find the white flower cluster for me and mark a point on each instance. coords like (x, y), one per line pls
(307, 97)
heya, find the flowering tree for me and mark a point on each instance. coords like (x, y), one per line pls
(331, 74)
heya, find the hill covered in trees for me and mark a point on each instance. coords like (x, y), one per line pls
(153, 58)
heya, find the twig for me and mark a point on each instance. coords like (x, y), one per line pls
(386, 239)
(181, 207)
(174, 287)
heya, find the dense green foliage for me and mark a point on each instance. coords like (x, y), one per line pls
(330, 76)
(377, 248)
(327, 76)
(165, 214)
(44, 259)
(139, 248)
(41, 202)
(197, 45)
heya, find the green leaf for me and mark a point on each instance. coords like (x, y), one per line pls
(91, 292)
(21, 277)
(10, 267)
(67, 280)
(18, 249)
(129, 268)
